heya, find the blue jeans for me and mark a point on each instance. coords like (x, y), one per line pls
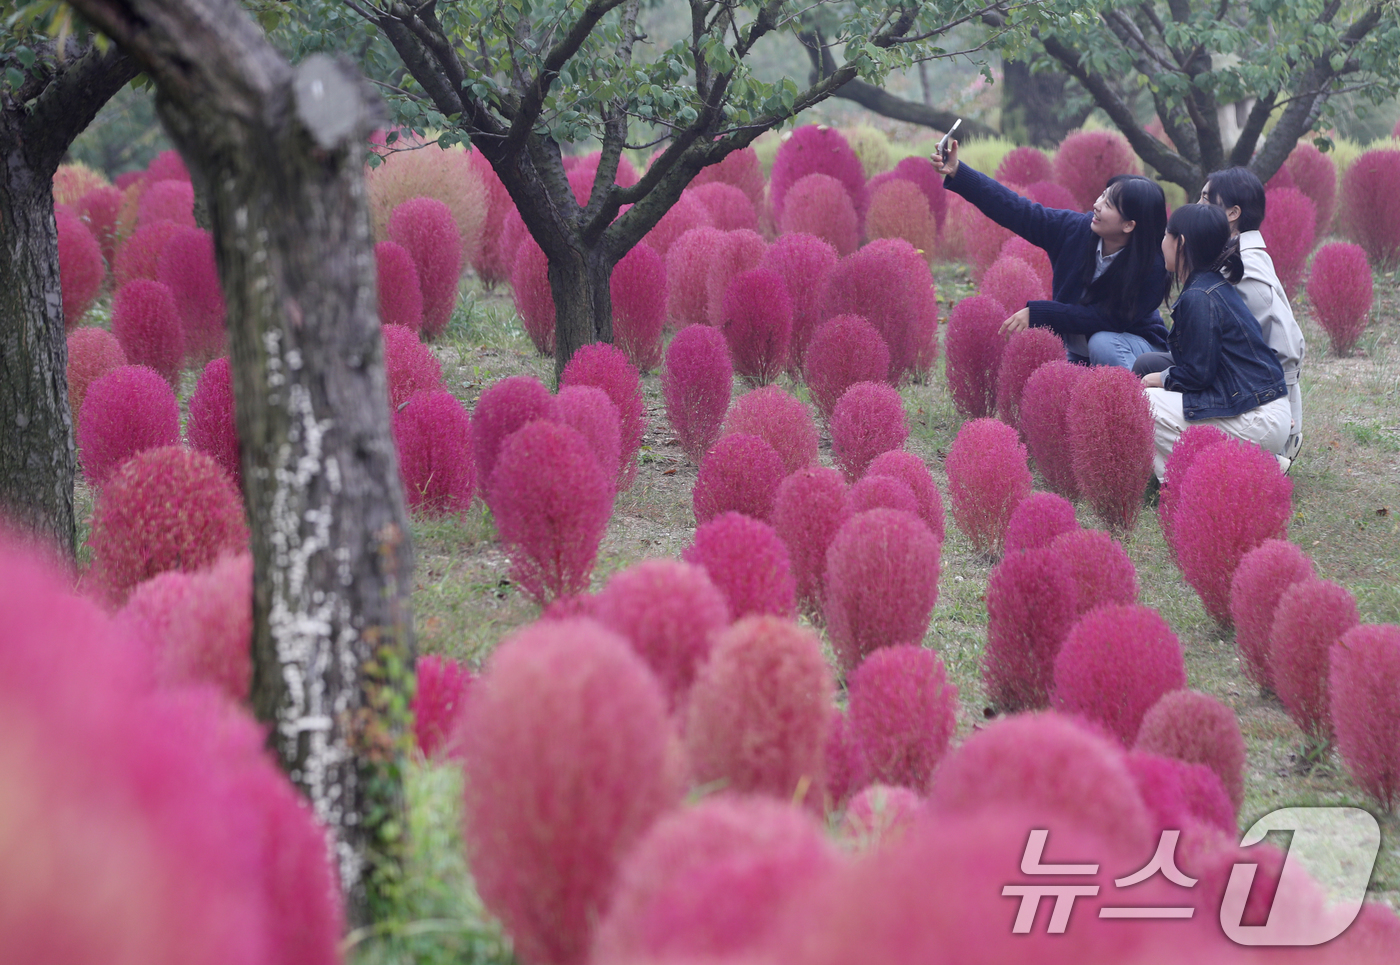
(1106, 348)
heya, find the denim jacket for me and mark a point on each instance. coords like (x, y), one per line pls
(1221, 364)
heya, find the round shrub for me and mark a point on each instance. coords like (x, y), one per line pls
(845, 771)
(1265, 574)
(638, 289)
(212, 427)
(502, 408)
(844, 350)
(167, 201)
(1034, 256)
(780, 420)
(552, 502)
(587, 410)
(606, 367)
(147, 323)
(1181, 796)
(816, 149)
(804, 262)
(128, 410)
(1198, 729)
(1340, 290)
(868, 419)
(729, 207)
(808, 509)
(73, 181)
(533, 298)
(92, 353)
(881, 492)
(1194, 441)
(975, 347)
(757, 714)
(1111, 440)
(741, 473)
(490, 259)
(1311, 617)
(983, 239)
(687, 276)
(568, 760)
(139, 255)
(696, 382)
(1026, 351)
(878, 814)
(400, 292)
(903, 712)
(98, 209)
(165, 509)
(1087, 159)
(920, 171)
(987, 479)
(687, 213)
(1370, 213)
(899, 209)
(910, 469)
(1101, 569)
(669, 612)
(881, 583)
(889, 285)
(186, 266)
(80, 267)
(166, 166)
(1037, 520)
(818, 204)
(757, 324)
(426, 170)
(426, 230)
(740, 168)
(1025, 165)
(409, 365)
(1044, 414)
(747, 561)
(1031, 606)
(1012, 282)
(438, 698)
(1315, 175)
(433, 435)
(1289, 229)
(1364, 699)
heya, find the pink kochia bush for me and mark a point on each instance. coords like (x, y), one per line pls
(128, 410)
(730, 208)
(211, 427)
(438, 698)
(1037, 520)
(867, 420)
(490, 259)
(844, 350)
(740, 168)
(588, 410)
(164, 509)
(880, 813)
(1013, 283)
(568, 760)
(757, 323)
(552, 501)
(881, 583)
(974, 349)
(1044, 413)
(804, 263)
(809, 508)
(1233, 498)
(426, 230)
(80, 267)
(888, 284)
(987, 479)
(696, 382)
(147, 323)
(98, 209)
(920, 171)
(903, 714)
(606, 367)
(1182, 796)
(433, 435)
(820, 150)
(1370, 213)
(1114, 665)
(1340, 290)
(1025, 165)
(1033, 255)
(899, 209)
(1265, 575)
(92, 353)
(1027, 351)
(1031, 606)
(1110, 432)
(747, 561)
(740, 473)
(139, 255)
(1312, 616)
(1288, 230)
(534, 300)
(1087, 159)
(186, 266)
(1100, 566)
(668, 611)
(1314, 174)
(638, 288)
(687, 276)
(780, 420)
(1365, 706)
(736, 253)
(400, 293)
(167, 201)
(881, 492)
(409, 365)
(818, 205)
(1194, 441)
(688, 213)
(504, 407)
(1198, 729)
(757, 715)
(911, 470)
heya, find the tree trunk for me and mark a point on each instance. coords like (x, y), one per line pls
(1032, 105)
(582, 290)
(280, 149)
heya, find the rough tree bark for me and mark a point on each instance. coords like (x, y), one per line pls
(279, 150)
(1033, 105)
(37, 461)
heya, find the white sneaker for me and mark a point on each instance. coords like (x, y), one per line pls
(1290, 449)
(1284, 463)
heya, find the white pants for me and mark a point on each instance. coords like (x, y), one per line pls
(1268, 425)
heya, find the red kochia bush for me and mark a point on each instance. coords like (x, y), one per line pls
(749, 564)
(780, 420)
(1198, 729)
(668, 611)
(604, 366)
(147, 323)
(587, 410)
(818, 205)
(730, 208)
(899, 209)
(400, 293)
(1340, 289)
(1265, 574)
(126, 411)
(696, 383)
(1114, 665)
(92, 353)
(638, 288)
(740, 168)
(816, 149)
(490, 259)
(983, 239)
(881, 583)
(903, 714)
(552, 502)
(757, 323)
(1102, 571)
(1311, 617)
(1194, 441)
(888, 284)
(567, 757)
(1037, 520)
(441, 693)
(1370, 213)
(809, 508)
(881, 492)
(804, 262)
(409, 365)
(1025, 165)
(974, 349)
(1027, 351)
(1315, 175)
(1110, 432)
(1034, 256)
(1365, 706)
(920, 171)
(687, 213)
(757, 715)
(1044, 411)
(427, 231)
(1013, 282)
(844, 350)
(211, 427)
(911, 470)
(1182, 796)
(98, 208)
(687, 276)
(139, 255)
(167, 201)
(867, 420)
(187, 267)
(1031, 606)
(80, 267)
(987, 479)
(1233, 498)
(1087, 159)
(1288, 230)
(433, 435)
(740, 473)
(533, 298)
(878, 814)
(164, 509)
(845, 771)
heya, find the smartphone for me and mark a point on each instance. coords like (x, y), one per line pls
(943, 141)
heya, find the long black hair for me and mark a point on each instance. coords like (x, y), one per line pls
(1119, 288)
(1204, 242)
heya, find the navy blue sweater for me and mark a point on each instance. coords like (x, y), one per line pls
(1070, 243)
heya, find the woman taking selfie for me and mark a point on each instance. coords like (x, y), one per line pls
(1108, 271)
